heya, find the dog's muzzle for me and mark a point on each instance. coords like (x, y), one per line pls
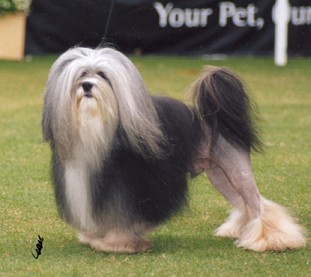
(87, 88)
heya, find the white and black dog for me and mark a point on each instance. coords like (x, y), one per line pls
(121, 157)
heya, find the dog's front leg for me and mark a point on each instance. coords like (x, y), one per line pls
(116, 241)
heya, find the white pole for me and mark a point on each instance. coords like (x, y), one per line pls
(281, 18)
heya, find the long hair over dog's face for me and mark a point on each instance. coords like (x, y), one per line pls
(89, 94)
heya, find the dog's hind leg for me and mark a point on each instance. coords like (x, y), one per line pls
(232, 176)
(260, 224)
(239, 215)
(223, 104)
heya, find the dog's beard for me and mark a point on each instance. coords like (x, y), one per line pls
(97, 120)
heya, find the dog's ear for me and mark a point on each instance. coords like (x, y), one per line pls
(54, 88)
(137, 114)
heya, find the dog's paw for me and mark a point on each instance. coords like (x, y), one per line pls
(86, 238)
(232, 227)
(275, 230)
(121, 242)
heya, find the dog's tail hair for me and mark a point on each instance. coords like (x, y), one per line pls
(224, 107)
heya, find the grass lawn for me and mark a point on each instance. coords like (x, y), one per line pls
(185, 246)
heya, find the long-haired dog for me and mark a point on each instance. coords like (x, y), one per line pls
(121, 158)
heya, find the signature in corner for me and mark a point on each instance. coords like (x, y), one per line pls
(39, 246)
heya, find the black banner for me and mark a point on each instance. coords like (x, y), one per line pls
(166, 27)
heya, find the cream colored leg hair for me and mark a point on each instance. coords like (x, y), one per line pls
(257, 224)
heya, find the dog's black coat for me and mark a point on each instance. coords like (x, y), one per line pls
(143, 189)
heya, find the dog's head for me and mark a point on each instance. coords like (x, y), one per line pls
(92, 92)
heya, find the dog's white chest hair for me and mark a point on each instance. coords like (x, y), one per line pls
(88, 154)
(78, 194)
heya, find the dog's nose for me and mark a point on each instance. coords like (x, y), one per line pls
(87, 86)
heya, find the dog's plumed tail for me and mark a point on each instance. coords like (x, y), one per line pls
(226, 114)
(225, 107)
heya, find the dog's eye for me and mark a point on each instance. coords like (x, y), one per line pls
(83, 74)
(102, 75)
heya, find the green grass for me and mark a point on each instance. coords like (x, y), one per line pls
(184, 246)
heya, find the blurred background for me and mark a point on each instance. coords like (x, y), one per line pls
(183, 27)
